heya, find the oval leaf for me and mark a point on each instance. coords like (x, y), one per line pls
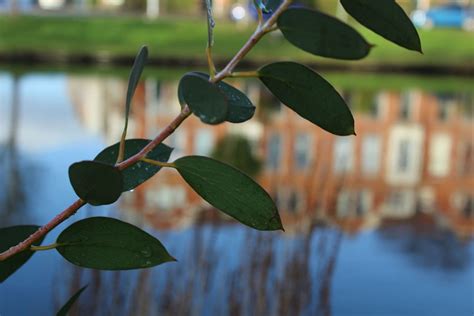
(95, 182)
(139, 172)
(109, 244)
(309, 95)
(386, 18)
(322, 35)
(203, 98)
(9, 237)
(66, 307)
(241, 108)
(231, 191)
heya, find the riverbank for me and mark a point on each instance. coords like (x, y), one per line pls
(109, 40)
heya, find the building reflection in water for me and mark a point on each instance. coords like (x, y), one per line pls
(413, 153)
(409, 174)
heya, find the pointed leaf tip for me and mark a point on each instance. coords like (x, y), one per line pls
(67, 307)
(309, 95)
(386, 18)
(135, 74)
(231, 191)
(133, 80)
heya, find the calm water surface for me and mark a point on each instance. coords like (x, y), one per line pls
(378, 224)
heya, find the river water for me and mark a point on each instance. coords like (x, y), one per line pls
(378, 224)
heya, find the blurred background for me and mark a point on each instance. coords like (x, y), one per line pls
(381, 223)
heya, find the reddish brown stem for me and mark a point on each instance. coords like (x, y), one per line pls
(58, 219)
(73, 208)
(185, 112)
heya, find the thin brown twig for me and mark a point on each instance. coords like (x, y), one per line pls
(253, 40)
(183, 115)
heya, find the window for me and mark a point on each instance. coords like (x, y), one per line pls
(204, 141)
(167, 198)
(371, 151)
(375, 107)
(177, 140)
(403, 156)
(302, 151)
(344, 203)
(343, 155)
(293, 202)
(363, 203)
(400, 203)
(440, 154)
(353, 203)
(406, 107)
(382, 104)
(274, 152)
(446, 105)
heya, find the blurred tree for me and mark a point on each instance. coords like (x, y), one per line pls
(236, 150)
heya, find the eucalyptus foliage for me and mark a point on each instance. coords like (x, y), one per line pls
(109, 244)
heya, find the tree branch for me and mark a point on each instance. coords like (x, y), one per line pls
(183, 115)
(253, 40)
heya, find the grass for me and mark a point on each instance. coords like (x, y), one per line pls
(186, 38)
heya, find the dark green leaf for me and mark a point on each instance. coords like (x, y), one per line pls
(109, 244)
(231, 191)
(272, 5)
(241, 108)
(134, 78)
(309, 95)
(322, 35)
(204, 98)
(9, 237)
(95, 182)
(181, 100)
(139, 172)
(386, 18)
(66, 307)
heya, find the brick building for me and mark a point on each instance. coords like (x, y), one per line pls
(413, 153)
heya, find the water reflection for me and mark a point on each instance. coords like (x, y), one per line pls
(13, 194)
(13, 178)
(426, 245)
(398, 195)
(413, 153)
(219, 274)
